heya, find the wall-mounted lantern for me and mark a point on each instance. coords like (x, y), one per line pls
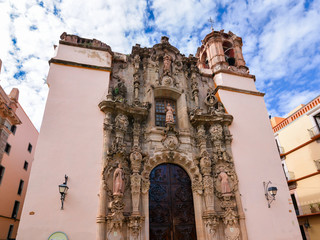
(63, 189)
(270, 192)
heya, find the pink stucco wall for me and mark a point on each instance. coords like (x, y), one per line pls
(73, 147)
(257, 160)
(14, 171)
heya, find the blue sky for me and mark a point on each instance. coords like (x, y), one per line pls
(281, 39)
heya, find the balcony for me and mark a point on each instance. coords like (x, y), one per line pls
(314, 132)
(312, 208)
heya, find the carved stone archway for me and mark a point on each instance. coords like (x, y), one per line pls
(171, 207)
(192, 170)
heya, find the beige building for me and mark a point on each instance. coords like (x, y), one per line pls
(18, 138)
(155, 145)
(298, 140)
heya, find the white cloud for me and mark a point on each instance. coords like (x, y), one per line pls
(281, 40)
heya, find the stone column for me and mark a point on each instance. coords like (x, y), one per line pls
(197, 189)
(145, 208)
(205, 165)
(238, 54)
(101, 218)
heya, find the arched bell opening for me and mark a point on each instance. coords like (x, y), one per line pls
(171, 205)
(204, 61)
(229, 53)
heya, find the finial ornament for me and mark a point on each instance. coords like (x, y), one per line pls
(211, 22)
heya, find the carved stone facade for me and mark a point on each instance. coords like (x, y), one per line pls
(196, 138)
(191, 170)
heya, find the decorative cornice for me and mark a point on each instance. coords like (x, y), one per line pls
(232, 89)
(75, 64)
(120, 107)
(315, 102)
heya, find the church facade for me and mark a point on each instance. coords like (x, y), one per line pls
(156, 145)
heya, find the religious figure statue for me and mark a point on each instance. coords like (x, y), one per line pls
(118, 181)
(136, 63)
(167, 59)
(223, 177)
(169, 114)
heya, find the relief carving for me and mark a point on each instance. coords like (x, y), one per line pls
(211, 222)
(118, 181)
(121, 122)
(135, 225)
(119, 92)
(169, 114)
(230, 219)
(225, 181)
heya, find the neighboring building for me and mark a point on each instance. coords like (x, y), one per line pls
(18, 142)
(298, 140)
(146, 142)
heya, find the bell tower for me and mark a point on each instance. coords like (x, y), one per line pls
(221, 50)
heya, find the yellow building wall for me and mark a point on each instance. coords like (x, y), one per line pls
(301, 163)
(296, 133)
(314, 231)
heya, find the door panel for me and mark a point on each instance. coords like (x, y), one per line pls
(171, 204)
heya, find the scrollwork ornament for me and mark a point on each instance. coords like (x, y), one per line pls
(135, 183)
(135, 225)
(145, 186)
(197, 186)
(121, 122)
(230, 219)
(211, 222)
(216, 132)
(136, 160)
(208, 185)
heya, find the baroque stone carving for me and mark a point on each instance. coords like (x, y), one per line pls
(230, 219)
(136, 160)
(171, 142)
(169, 114)
(121, 122)
(118, 181)
(119, 92)
(135, 192)
(167, 59)
(135, 225)
(211, 222)
(225, 181)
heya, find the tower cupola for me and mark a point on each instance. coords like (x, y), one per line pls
(221, 51)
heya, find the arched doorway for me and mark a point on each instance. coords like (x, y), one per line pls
(171, 210)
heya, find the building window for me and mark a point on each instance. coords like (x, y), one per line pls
(25, 165)
(10, 232)
(1, 173)
(317, 119)
(13, 129)
(161, 105)
(29, 148)
(20, 187)
(7, 149)
(15, 209)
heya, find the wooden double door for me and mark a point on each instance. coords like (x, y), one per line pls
(171, 210)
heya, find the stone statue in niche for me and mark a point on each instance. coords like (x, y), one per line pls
(169, 114)
(224, 181)
(167, 59)
(136, 63)
(118, 181)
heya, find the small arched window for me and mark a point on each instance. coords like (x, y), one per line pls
(160, 111)
(229, 53)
